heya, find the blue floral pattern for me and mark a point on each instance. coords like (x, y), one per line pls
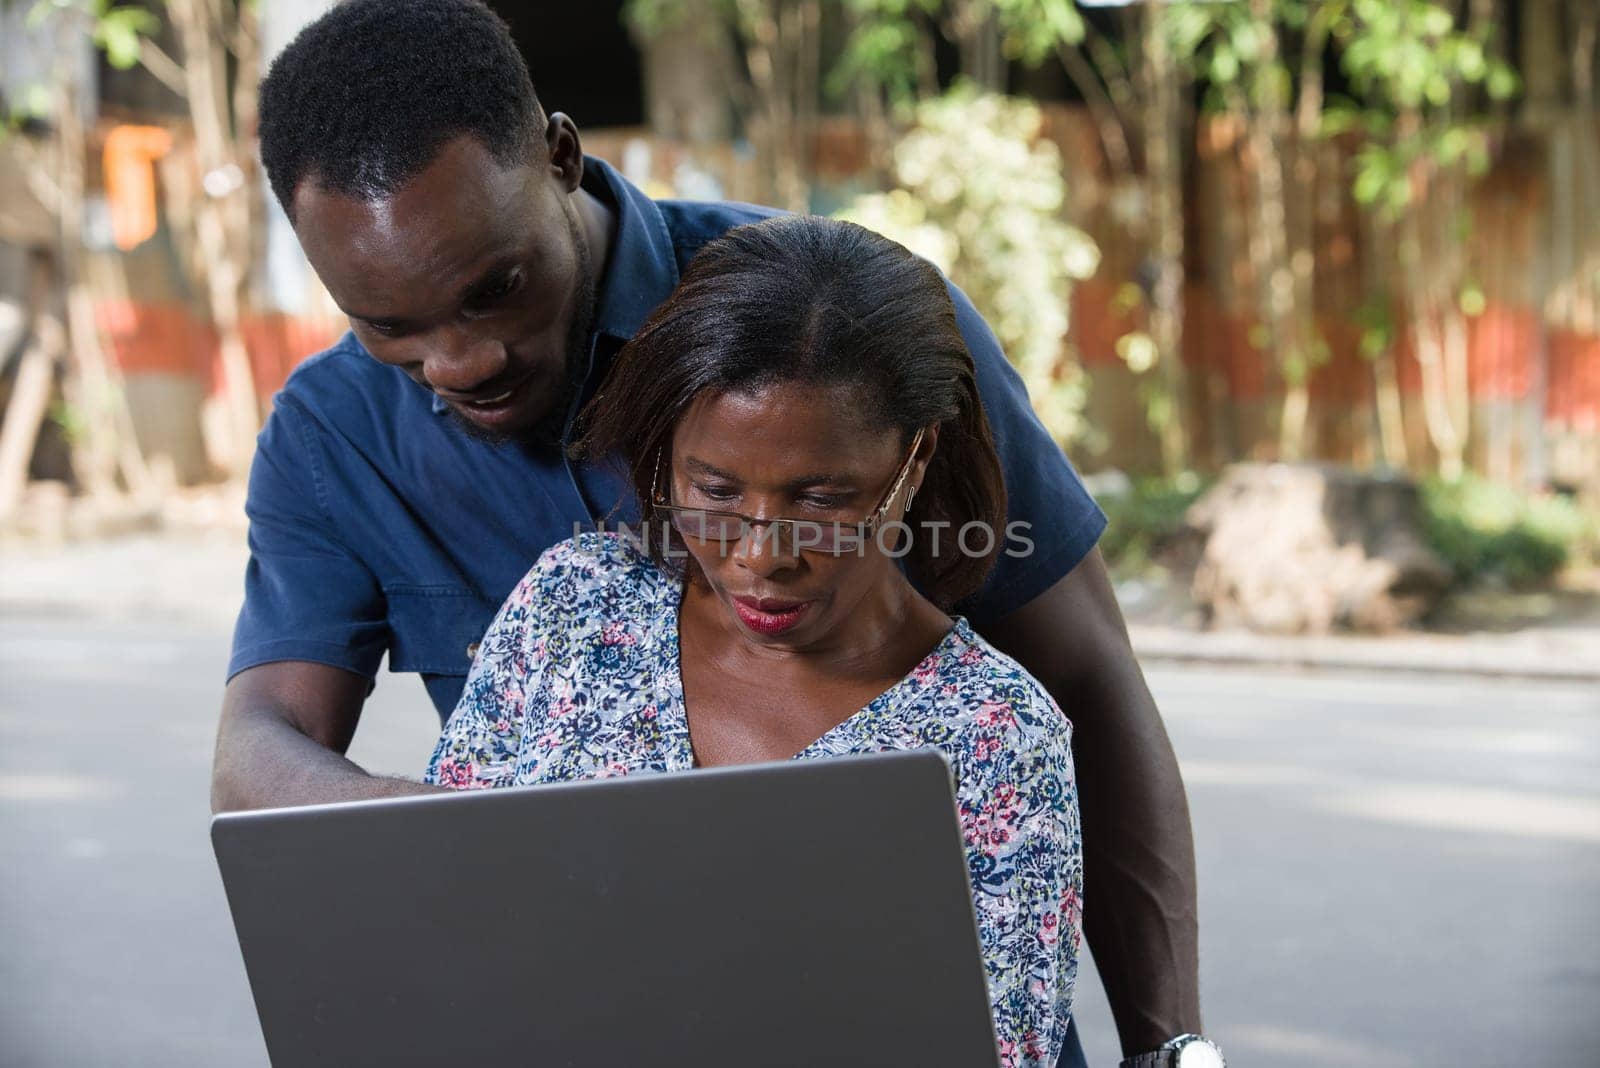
(578, 678)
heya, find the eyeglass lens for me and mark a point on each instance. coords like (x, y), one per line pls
(791, 533)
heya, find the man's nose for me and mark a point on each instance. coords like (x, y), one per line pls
(460, 360)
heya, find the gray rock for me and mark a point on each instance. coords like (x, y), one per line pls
(1307, 549)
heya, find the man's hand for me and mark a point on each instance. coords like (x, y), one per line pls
(284, 730)
(1139, 895)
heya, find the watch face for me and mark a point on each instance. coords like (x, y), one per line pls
(1198, 1053)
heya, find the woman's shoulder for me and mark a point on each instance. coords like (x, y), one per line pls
(593, 570)
(998, 694)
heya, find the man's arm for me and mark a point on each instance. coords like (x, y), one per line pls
(1139, 896)
(285, 728)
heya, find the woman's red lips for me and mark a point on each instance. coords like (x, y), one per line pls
(769, 615)
(769, 604)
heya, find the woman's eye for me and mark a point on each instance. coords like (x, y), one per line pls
(715, 493)
(819, 500)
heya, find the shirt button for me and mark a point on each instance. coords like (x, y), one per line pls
(472, 651)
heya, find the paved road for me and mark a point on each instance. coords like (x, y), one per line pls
(1393, 872)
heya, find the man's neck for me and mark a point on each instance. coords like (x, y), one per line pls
(599, 221)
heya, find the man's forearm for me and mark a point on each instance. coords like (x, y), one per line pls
(269, 764)
(1139, 873)
(282, 737)
(1138, 864)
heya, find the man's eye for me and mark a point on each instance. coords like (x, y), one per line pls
(503, 288)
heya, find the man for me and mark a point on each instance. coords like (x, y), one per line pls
(409, 476)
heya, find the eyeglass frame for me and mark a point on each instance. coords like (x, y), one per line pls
(866, 527)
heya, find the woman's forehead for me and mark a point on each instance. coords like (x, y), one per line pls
(786, 427)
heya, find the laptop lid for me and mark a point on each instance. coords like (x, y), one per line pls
(799, 913)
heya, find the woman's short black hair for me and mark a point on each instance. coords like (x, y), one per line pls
(800, 298)
(367, 95)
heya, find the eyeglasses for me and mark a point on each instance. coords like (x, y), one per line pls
(729, 528)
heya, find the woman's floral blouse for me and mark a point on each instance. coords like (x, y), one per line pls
(578, 678)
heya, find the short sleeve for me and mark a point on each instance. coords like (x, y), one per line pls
(482, 739)
(1019, 816)
(307, 596)
(1042, 489)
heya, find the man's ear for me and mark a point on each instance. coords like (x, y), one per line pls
(564, 150)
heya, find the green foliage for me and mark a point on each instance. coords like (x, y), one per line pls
(887, 35)
(116, 29)
(1412, 54)
(1484, 530)
(980, 194)
(882, 48)
(119, 30)
(1411, 59)
(72, 421)
(1032, 30)
(1378, 327)
(1143, 521)
(653, 17)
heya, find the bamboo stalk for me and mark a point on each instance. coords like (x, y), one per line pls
(1167, 238)
(224, 242)
(30, 393)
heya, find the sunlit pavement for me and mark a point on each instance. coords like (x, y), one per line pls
(1394, 871)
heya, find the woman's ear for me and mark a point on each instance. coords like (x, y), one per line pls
(919, 466)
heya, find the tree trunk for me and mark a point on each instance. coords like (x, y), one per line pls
(222, 216)
(30, 393)
(775, 39)
(1108, 122)
(1379, 273)
(1439, 341)
(107, 445)
(1301, 228)
(1163, 172)
(973, 27)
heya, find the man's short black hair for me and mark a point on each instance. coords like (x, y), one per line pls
(366, 96)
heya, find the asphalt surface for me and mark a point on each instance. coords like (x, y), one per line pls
(1394, 871)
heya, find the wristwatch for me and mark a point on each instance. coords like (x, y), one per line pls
(1185, 1051)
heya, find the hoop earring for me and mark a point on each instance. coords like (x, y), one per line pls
(911, 495)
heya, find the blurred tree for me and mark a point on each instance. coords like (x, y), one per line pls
(1263, 61)
(1418, 70)
(980, 194)
(1162, 86)
(1134, 95)
(220, 71)
(1422, 73)
(46, 130)
(778, 89)
(217, 77)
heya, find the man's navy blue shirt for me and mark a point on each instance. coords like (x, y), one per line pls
(378, 525)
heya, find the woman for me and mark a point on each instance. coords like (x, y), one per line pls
(801, 422)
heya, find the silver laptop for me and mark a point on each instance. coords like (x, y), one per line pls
(799, 913)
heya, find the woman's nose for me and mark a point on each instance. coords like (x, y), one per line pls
(764, 549)
(461, 361)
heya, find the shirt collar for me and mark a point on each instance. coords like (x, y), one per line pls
(641, 267)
